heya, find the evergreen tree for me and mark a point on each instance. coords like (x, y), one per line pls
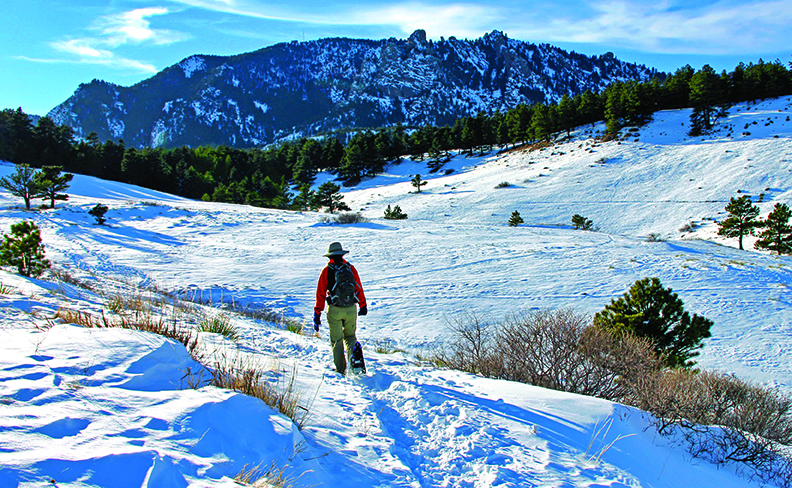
(541, 123)
(22, 183)
(395, 214)
(24, 250)
(581, 222)
(707, 99)
(777, 233)
(52, 183)
(417, 183)
(308, 160)
(676, 88)
(590, 108)
(515, 219)
(98, 212)
(614, 108)
(567, 114)
(741, 220)
(651, 311)
(327, 195)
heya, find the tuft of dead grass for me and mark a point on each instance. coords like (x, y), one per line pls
(274, 387)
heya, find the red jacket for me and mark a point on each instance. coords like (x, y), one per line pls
(321, 289)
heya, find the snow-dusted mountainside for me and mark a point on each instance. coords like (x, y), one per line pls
(110, 408)
(304, 88)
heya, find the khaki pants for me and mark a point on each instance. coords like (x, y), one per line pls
(342, 322)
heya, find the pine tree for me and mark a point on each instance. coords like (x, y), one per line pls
(327, 196)
(23, 249)
(395, 214)
(741, 220)
(515, 219)
(417, 183)
(98, 212)
(649, 310)
(581, 222)
(52, 183)
(22, 183)
(777, 235)
(706, 96)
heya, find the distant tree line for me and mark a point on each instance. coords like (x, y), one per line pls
(281, 176)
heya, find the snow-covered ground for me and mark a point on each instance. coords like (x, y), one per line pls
(110, 407)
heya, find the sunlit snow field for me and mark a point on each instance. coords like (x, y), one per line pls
(129, 421)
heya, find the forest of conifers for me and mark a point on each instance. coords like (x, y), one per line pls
(266, 177)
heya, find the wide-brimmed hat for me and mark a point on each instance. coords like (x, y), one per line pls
(335, 249)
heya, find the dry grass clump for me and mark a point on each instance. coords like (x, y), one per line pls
(138, 321)
(275, 388)
(219, 324)
(273, 477)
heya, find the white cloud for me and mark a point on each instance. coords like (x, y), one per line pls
(133, 27)
(719, 28)
(115, 31)
(459, 19)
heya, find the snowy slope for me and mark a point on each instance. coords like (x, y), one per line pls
(107, 408)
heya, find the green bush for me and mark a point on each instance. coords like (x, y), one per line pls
(581, 222)
(651, 311)
(24, 250)
(395, 214)
(515, 219)
(98, 213)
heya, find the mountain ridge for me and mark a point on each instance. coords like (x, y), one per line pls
(296, 89)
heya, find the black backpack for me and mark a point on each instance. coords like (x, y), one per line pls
(342, 293)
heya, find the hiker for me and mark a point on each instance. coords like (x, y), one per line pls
(339, 285)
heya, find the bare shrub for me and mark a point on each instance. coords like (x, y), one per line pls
(556, 349)
(346, 218)
(540, 347)
(613, 363)
(472, 347)
(723, 419)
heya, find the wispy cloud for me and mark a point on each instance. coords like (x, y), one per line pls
(113, 32)
(456, 18)
(666, 26)
(719, 28)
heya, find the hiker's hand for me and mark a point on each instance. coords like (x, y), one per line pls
(317, 321)
(363, 311)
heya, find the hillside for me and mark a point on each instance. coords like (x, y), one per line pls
(295, 89)
(101, 407)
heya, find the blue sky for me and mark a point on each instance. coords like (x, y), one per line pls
(49, 47)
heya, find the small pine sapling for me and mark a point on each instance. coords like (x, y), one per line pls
(515, 219)
(395, 214)
(23, 249)
(581, 222)
(99, 212)
(417, 182)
